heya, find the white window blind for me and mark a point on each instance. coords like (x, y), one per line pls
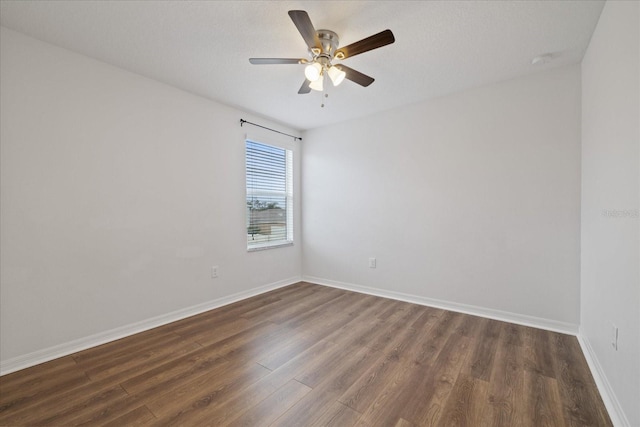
(269, 196)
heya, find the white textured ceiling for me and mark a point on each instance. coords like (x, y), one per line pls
(203, 46)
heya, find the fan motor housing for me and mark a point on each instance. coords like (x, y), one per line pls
(329, 41)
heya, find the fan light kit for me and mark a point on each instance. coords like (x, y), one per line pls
(323, 49)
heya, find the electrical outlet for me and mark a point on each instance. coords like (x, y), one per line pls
(214, 272)
(372, 263)
(614, 337)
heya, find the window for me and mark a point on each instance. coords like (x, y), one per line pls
(269, 196)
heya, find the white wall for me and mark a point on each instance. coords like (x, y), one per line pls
(118, 195)
(469, 199)
(610, 279)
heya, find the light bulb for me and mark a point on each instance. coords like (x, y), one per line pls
(336, 75)
(317, 85)
(312, 71)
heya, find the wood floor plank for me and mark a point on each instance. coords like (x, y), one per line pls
(543, 406)
(328, 365)
(225, 342)
(469, 325)
(426, 404)
(423, 351)
(265, 312)
(350, 329)
(155, 387)
(67, 411)
(57, 402)
(313, 405)
(337, 326)
(465, 405)
(538, 352)
(51, 403)
(141, 416)
(161, 359)
(386, 408)
(252, 347)
(21, 395)
(224, 328)
(327, 318)
(219, 382)
(175, 384)
(20, 392)
(199, 399)
(241, 400)
(191, 365)
(202, 389)
(506, 388)
(336, 415)
(234, 311)
(308, 355)
(316, 302)
(366, 389)
(404, 384)
(370, 386)
(486, 344)
(582, 405)
(280, 354)
(512, 334)
(36, 374)
(271, 408)
(390, 308)
(98, 413)
(137, 359)
(142, 340)
(308, 361)
(395, 331)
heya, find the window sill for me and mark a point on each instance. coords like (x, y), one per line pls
(265, 247)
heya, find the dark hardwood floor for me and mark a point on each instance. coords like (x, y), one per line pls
(308, 355)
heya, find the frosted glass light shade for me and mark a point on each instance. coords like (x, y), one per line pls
(336, 75)
(317, 85)
(312, 71)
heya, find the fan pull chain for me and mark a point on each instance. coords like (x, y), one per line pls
(326, 96)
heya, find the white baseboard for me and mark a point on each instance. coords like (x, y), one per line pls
(505, 316)
(51, 353)
(616, 413)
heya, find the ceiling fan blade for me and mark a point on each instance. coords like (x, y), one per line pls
(375, 41)
(356, 76)
(271, 61)
(305, 87)
(302, 21)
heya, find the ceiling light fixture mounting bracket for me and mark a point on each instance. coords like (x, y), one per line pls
(328, 42)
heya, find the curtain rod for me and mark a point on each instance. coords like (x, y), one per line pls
(243, 121)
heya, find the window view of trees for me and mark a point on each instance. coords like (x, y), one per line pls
(267, 220)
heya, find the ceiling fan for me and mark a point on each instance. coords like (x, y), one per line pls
(323, 49)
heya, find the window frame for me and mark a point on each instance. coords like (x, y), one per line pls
(288, 196)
